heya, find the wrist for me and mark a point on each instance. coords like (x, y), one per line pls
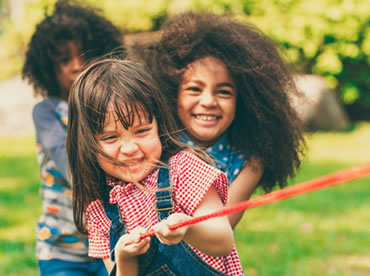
(127, 266)
(121, 256)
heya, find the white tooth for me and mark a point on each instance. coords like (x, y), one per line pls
(206, 117)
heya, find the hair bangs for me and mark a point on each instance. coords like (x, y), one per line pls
(128, 110)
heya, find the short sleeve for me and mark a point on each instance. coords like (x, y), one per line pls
(98, 225)
(192, 179)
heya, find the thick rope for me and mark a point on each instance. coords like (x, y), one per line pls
(308, 186)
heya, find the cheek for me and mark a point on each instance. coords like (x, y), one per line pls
(183, 106)
(233, 110)
(157, 149)
(63, 81)
(103, 162)
(153, 148)
(230, 108)
(110, 150)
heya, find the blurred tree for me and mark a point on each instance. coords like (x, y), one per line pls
(326, 37)
(330, 38)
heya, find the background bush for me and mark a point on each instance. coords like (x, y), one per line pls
(330, 38)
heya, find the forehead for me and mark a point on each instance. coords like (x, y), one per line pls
(207, 66)
(127, 115)
(69, 48)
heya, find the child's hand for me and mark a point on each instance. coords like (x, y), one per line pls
(167, 236)
(130, 245)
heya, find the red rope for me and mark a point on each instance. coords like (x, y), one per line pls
(308, 186)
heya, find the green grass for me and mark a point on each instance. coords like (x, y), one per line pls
(326, 232)
(20, 205)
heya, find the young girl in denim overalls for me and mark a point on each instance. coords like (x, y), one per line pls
(130, 175)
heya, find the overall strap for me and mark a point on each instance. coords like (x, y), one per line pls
(117, 228)
(164, 204)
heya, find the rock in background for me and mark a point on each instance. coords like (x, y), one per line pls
(320, 109)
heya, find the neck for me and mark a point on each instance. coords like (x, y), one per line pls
(64, 94)
(203, 144)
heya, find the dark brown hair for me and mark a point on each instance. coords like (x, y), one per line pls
(108, 84)
(265, 125)
(70, 21)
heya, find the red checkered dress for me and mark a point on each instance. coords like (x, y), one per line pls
(190, 178)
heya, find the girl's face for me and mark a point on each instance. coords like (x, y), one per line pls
(139, 147)
(69, 65)
(206, 100)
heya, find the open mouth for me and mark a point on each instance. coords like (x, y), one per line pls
(134, 162)
(207, 117)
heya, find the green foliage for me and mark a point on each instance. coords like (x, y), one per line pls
(326, 37)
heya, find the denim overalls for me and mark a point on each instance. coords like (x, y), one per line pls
(160, 259)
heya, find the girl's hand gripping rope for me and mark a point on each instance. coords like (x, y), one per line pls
(308, 186)
(166, 234)
(131, 245)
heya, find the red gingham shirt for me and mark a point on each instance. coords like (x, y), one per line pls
(190, 179)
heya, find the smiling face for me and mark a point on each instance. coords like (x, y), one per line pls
(138, 146)
(206, 100)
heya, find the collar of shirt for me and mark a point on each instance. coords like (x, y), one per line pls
(226, 158)
(121, 187)
(221, 151)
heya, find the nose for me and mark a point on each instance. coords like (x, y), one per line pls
(128, 147)
(207, 99)
(77, 64)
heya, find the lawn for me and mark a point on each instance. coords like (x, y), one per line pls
(326, 232)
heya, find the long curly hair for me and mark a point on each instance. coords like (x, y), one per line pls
(265, 124)
(69, 22)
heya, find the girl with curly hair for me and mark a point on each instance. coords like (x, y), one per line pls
(60, 46)
(229, 89)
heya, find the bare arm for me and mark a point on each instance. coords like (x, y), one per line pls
(213, 237)
(108, 265)
(243, 186)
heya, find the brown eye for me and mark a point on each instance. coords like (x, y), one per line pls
(142, 130)
(108, 138)
(63, 60)
(224, 92)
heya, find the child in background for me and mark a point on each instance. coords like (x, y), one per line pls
(61, 44)
(229, 89)
(119, 140)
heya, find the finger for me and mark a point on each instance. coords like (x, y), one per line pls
(162, 228)
(131, 238)
(138, 230)
(177, 218)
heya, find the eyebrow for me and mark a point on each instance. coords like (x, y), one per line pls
(139, 124)
(107, 130)
(228, 84)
